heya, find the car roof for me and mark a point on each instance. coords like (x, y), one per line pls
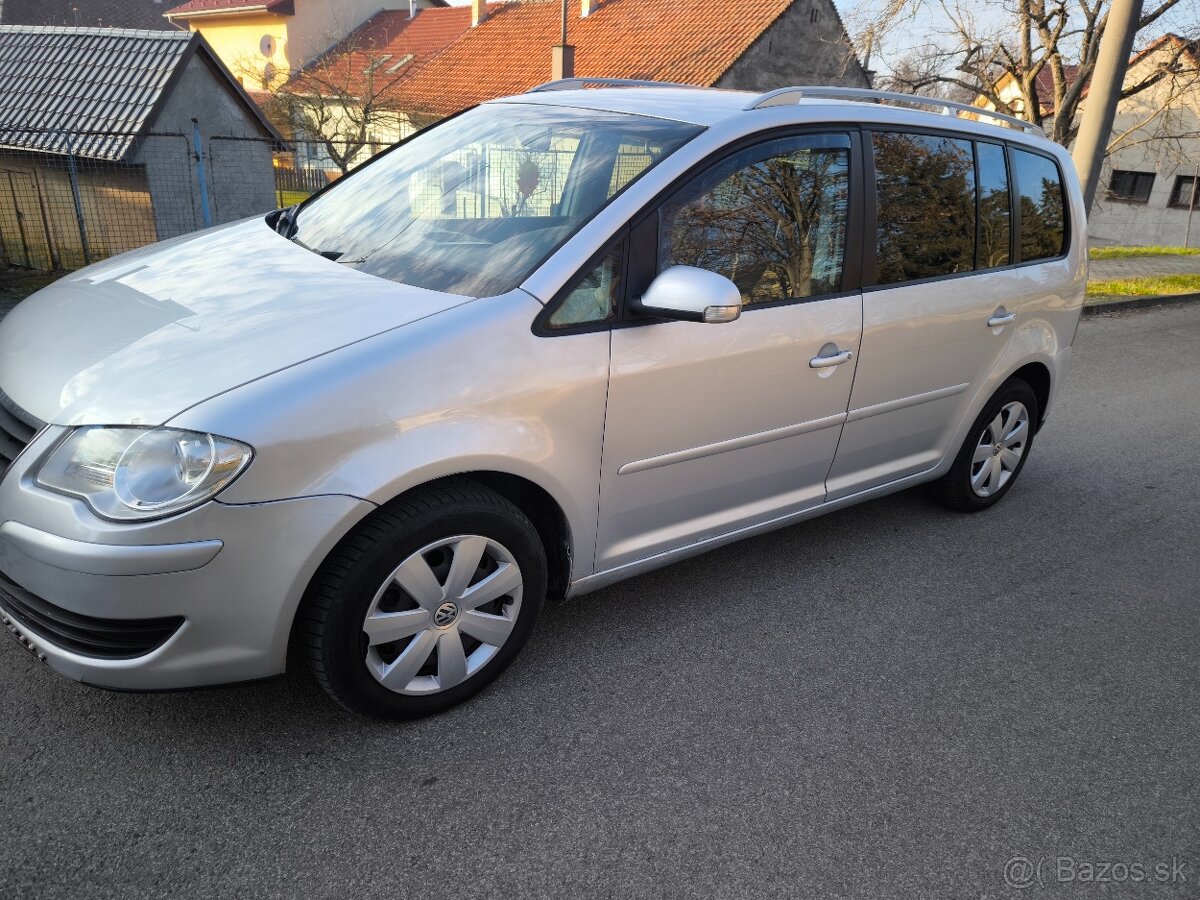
(708, 106)
(696, 106)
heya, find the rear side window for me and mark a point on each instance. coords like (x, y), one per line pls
(926, 206)
(1042, 210)
(995, 207)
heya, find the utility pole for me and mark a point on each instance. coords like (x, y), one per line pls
(1187, 234)
(1104, 94)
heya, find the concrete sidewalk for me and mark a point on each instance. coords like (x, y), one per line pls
(1143, 267)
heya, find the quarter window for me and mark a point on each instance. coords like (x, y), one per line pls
(594, 296)
(772, 219)
(926, 206)
(1040, 195)
(1132, 187)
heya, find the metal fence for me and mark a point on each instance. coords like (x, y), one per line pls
(71, 198)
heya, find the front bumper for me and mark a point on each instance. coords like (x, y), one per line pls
(222, 581)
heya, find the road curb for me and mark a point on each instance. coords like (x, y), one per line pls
(1139, 303)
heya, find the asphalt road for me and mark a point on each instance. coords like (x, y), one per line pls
(889, 702)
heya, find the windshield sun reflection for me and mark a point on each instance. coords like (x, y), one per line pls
(474, 205)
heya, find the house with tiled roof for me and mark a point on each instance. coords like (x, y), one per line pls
(1150, 183)
(745, 44)
(344, 105)
(102, 161)
(1009, 90)
(264, 42)
(384, 50)
(399, 72)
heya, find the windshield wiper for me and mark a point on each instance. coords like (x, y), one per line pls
(333, 255)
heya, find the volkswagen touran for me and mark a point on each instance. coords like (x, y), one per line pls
(555, 341)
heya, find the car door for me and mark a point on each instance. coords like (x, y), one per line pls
(935, 322)
(712, 428)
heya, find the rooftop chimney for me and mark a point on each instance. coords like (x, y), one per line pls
(478, 12)
(587, 7)
(562, 64)
(562, 59)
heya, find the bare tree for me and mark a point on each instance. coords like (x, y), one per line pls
(1170, 113)
(339, 102)
(1005, 63)
(343, 99)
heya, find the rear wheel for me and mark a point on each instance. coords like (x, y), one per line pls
(426, 602)
(995, 450)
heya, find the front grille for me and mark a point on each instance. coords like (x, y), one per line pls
(17, 429)
(85, 635)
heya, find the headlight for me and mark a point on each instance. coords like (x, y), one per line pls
(142, 473)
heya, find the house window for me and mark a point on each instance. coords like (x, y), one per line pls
(1133, 187)
(1186, 192)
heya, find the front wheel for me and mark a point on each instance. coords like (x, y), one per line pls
(995, 450)
(426, 602)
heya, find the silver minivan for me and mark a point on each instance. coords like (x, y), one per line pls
(555, 341)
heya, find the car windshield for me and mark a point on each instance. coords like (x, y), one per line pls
(473, 206)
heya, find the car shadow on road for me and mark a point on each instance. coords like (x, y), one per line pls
(599, 643)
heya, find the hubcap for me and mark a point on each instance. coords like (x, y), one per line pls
(442, 615)
(999, 449)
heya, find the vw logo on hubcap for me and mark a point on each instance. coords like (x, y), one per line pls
(445, 614)
(996, 450)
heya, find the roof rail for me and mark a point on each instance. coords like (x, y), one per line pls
(789, 95)
(570, 84)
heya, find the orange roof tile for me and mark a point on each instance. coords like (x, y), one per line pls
(390, 45)
(689, 41)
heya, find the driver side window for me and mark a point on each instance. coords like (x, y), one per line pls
(772, 219)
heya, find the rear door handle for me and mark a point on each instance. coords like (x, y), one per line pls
(1001, 319)
(823, 362)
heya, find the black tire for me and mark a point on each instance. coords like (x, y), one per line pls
(954, 488)
(344, 589)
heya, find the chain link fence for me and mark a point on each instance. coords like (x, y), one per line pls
(68, 199)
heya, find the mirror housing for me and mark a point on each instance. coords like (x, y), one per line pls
(690, 295)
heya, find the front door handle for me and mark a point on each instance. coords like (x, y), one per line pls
(823, 362)
(1000, 319)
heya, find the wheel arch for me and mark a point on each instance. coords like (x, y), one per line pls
(1037, 376)
(546, 514)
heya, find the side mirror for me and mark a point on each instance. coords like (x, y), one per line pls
(691, 295)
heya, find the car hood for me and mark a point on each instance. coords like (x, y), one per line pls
(143, 336)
